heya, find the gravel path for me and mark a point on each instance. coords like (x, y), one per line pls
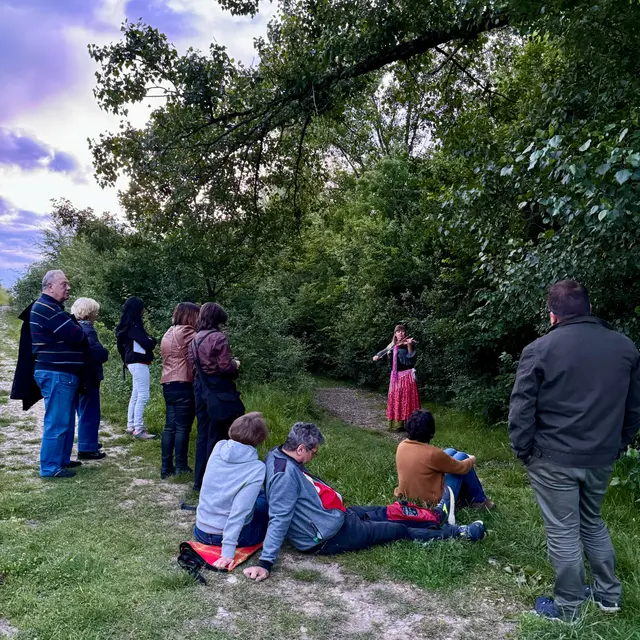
(364, 409)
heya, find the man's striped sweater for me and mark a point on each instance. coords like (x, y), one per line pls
(58, 341)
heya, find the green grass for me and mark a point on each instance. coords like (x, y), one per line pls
(94, 557)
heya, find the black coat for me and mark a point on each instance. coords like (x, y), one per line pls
(576, 399)
(97, 356)
(126, 350)
(24, 386)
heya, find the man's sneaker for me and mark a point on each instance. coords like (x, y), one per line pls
(71, 464)
(91, 455)
(607, 606)
(63, 473)
(472, 532)
(143, 434)
(131, 430)
(485, 504)
(546, 608)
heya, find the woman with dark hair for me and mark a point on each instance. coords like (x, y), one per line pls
(218, 402)
(136, 347)
(403, 397)
(427, 473)
(177, 389)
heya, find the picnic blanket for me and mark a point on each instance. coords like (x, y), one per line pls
(195, 556)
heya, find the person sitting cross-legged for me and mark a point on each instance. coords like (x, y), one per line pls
(426, 472)
(312, 515)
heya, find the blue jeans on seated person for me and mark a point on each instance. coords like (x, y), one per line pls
(252, 533)
(365, 527)
(466, 489)
(88, 420)
(60, 393)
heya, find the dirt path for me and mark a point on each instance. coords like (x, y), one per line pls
(364, 409)
(325, 600)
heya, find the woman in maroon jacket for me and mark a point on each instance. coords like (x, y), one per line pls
(218, 402)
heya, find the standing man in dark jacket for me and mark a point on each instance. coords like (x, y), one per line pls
(575, 407)
(59, 346)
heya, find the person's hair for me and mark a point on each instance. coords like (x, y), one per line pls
(50, 276)
(303, 433)
(421, 426)
(399, 327)
(212, 315)
(85, 309)
(131, 313)
(568, 299)
(249, 429)
(186, 313)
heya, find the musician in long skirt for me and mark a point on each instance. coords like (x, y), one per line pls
(403, 398)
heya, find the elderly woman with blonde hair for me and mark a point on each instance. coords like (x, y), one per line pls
(86, 312)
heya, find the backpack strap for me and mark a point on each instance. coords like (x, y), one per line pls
(197, 355)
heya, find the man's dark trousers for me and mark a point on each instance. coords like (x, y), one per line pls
(570, 499)
(366, 527)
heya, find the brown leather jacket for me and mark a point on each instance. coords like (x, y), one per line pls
(175, 354)
(214, 354)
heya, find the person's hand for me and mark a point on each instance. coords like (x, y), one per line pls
(256, 573)
(222, 563)
(473, 460)
(237, 362)
(376, 358)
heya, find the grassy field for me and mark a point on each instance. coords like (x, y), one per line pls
(94, 557)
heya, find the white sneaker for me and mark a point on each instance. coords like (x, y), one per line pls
(131, 430)
(143, 434)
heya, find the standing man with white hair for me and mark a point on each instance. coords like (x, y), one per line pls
(59, 350)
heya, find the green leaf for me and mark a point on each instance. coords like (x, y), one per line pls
(623, 175)
(586, 145)
(506, 171)
(602, 215)
(615, 481)
(603, 168)
(623, 133)
(634, 159)
(555, 141)
(549, 233)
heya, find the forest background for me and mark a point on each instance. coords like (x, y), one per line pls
(438, 164)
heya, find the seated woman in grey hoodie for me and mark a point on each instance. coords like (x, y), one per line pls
(233, 510)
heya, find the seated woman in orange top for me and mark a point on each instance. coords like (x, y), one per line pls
(425, 471)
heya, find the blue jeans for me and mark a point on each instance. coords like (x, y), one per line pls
(60, 393)
(467, 488)
(366, 527)
(252, 533)
(88, 420)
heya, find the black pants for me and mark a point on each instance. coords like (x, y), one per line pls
(366, 527)
(180, 412)
(218, 404)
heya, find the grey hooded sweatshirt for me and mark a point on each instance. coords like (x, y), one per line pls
(232, 481)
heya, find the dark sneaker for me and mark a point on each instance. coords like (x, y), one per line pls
(180, 470)
(485, 504)
(91, 455)
(166, 473)
(607, 606)
(546, 608)
(143, 434)
(63, 473)
(72, 463)
(473, 532)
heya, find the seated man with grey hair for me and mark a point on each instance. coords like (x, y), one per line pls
(312, 516)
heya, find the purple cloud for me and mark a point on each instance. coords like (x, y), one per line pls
(36, 61)
(28, 154)
(159, 15)
(21, 231)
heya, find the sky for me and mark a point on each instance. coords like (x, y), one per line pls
(47, 108)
